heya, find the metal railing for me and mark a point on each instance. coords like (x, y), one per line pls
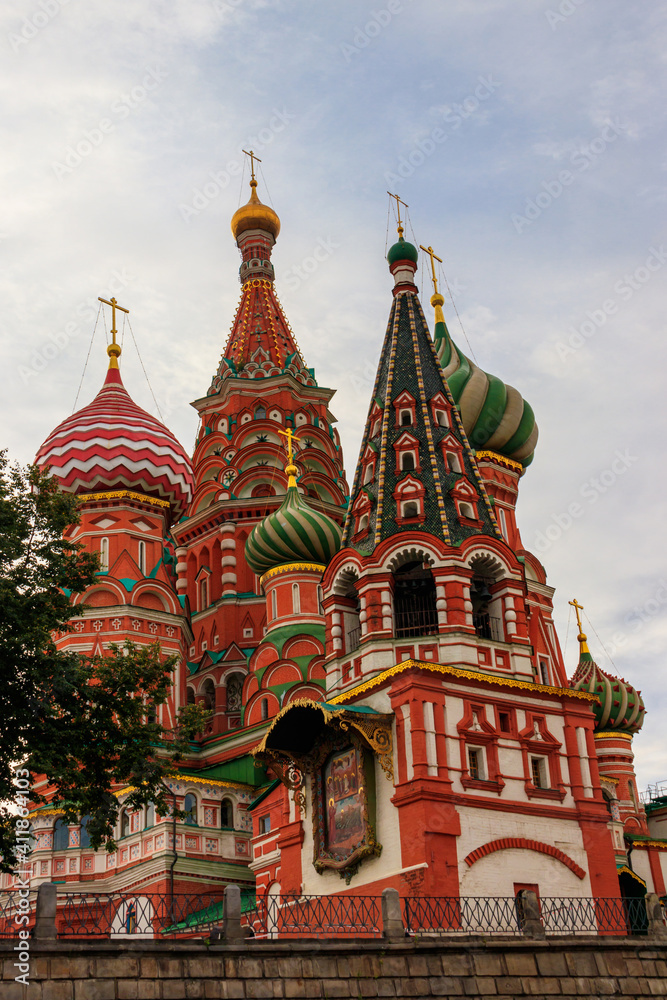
(654, 793)
(487, 627)
(418, 618)
(15, 906)
(565, 915)
(315, 916)
(149, 914)
(463, 915)
(352, 639)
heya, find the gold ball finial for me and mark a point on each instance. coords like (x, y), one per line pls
(582, 637)
(114, 352)
(437, 299)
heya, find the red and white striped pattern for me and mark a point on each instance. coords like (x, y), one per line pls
(113, 444)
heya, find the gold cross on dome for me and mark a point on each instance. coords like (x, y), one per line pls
(291, 436)
(429, 251)
(399, 202)
(577, 608)
(253, 157)
(114, 305)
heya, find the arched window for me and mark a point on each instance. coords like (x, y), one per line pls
(320, 598)
(363, 522)
(407, 461)
(203, 594)
(441, 418)
(264, 709)
(141, 558)
(369, 472)
(150, 815)
(486, 608)
(406, 418)
(104, 554)
(84, 837)
(60, 835)
(125, 823)
(209, 695)
(414, 600)
(190, 809)
(410, 508)
(191, 696)
(260, 413)
(453, 463)
(227, 814)
(234, 688)
(296, 599)
(274, 605)
(467, 510)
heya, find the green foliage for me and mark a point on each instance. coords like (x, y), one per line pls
(87, 724)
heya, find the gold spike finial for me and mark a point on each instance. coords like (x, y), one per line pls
(583, 645)
(290, 469)
(398, 211)
(114, 349)
(436, 299)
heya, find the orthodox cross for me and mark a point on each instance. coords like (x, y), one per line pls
(114, 305)
(577, 608)
(429, 251)
(291, 436)
(253, 157)
(398, 210)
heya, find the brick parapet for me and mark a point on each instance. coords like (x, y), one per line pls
(507, 968)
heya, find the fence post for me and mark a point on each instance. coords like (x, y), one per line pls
(231, 918)
(392, 918)
(45, 913)
(530, 910)
(656, 922)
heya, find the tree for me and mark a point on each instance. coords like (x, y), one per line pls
(88, 724)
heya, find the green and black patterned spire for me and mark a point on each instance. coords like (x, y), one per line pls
(438, 489)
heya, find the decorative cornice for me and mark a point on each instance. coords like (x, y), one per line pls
(611, 734)
(469, 675)
(121, 494)
(500, 459)
(289, 567)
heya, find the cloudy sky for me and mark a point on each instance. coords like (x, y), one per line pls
(528, 139)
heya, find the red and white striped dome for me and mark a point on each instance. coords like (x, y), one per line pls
(113, 444)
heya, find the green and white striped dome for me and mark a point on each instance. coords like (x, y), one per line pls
(495, 415)
(619, 706)
(293, 533)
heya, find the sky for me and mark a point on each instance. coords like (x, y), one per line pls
(526, 137)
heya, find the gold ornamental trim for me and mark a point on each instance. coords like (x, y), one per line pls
(501, 459)
(471, 675)
(119, 494)
(288, 567)
(610, 734)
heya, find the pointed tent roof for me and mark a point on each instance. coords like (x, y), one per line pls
(261, 343)
(409, 364)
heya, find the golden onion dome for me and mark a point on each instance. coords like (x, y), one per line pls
(255, 215)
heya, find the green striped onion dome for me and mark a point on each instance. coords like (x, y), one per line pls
(495, 415)
(293, 533)
(619, 706)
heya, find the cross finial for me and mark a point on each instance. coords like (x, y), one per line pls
(434, 279)
(253, 157)
(398, 211)
(291, 436)
(113, 350)
(581, 637)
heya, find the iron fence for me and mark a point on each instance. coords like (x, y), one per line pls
(17, 911)
(315, 916)
(487, 627)
(147, 914)
(561, 915)
(353, 639)
(418, 617)
(463, 915)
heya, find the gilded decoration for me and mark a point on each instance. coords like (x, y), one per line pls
(335, 747)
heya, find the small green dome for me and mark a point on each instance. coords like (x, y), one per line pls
(619, 706)
(293, 533)
(403, 251)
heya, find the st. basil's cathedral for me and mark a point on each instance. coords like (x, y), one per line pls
(389, 702)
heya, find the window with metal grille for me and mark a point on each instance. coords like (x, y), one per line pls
(538, 772)
(414, 601)
(476, 763)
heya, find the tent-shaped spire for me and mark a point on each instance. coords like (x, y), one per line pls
(416, 467)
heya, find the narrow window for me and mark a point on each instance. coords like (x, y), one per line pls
(407, 462)
(368, 472)
(84, 836)
(150, 815)
(104, 554)
(264, 709)
(406, 418)
(538, 772)
(476, 763)
(190, 809)
(544, 671)
(363, 522)
(504, 722)
(203, 594)
(274, 605)
(60, 835)
(502, 521)
(296, 599)
(320, 598)
(264, 824)
(453, 463)
(226, 815)
(125, 824)
(441, 418)
(142, 557)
